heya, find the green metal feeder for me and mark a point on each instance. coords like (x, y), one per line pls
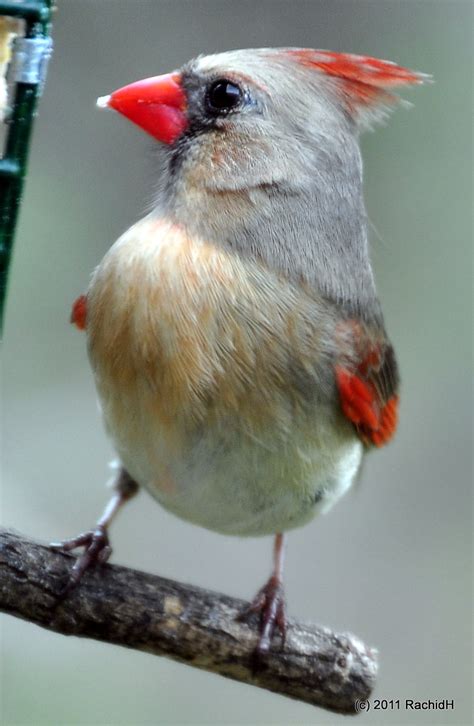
(27, 70)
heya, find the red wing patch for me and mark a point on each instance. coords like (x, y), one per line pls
(375, 424)
(368, 388)
(79, 312)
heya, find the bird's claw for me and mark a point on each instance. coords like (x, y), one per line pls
(97, 550)
(269, 602)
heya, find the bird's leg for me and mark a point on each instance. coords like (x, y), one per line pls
(269, 602)
(95, 542)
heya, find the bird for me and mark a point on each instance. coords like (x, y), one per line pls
(235, 334)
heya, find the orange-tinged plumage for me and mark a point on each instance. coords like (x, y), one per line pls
(192, 323)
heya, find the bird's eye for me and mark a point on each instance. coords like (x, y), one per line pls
(223, 96)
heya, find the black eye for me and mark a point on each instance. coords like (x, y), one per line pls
(224, 95)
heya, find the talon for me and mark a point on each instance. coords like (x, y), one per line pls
(104, 555)
(270, 603)
(97, 550)
(281, 622)
(95, 542)
(71, 544)
(254, 607)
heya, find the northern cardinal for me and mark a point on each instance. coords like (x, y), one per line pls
(235, 334)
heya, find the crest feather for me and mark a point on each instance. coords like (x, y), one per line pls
(365, 82)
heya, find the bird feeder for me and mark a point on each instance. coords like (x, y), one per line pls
(25, 47)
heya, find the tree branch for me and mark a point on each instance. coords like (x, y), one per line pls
(194, 626)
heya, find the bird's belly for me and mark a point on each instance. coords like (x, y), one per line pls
(247, 492)
(225, 480)
(216, 383)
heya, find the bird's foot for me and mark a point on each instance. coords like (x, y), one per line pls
(269, 602)
(97, 550)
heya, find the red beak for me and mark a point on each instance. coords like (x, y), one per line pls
(155, 104)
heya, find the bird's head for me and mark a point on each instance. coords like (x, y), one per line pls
(262, 157)
(247, 118)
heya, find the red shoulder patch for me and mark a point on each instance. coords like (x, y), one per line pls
(367, 381)
(360, 403)
(79, 312)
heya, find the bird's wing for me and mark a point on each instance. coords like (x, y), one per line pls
(79, 312)
(367, 380)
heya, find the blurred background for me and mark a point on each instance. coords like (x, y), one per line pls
(391, 562)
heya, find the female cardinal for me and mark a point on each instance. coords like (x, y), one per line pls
(235, 334)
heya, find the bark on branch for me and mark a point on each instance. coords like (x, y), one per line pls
(194, 626)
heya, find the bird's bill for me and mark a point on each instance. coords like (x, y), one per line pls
(157, 105)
